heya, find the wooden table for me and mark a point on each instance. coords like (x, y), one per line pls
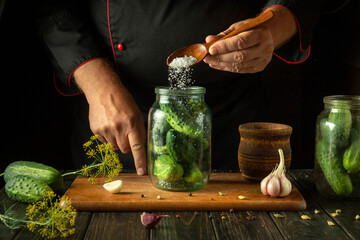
(217, 225)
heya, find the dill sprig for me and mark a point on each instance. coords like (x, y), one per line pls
(51, 217)
(106, 161)
(11, 218)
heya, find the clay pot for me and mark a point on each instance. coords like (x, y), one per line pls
(258, 149)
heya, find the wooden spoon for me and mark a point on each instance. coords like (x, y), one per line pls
(200, 50)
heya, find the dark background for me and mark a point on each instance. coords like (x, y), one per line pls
(36, 122)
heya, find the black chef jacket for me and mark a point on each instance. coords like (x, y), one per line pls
(137, 36)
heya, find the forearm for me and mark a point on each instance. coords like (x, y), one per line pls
(282, 26)
(113, 113)
(96, 78)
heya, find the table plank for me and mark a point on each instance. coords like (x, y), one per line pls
(244, 225)
(116, 225)
(183, 225)
(349, 208)
(81, 226)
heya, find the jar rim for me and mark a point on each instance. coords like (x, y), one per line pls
(180, 91)
(265, 128)
(353, 100)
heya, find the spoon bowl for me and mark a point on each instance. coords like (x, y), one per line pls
(200, 50)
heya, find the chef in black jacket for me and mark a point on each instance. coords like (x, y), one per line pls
(112, 54)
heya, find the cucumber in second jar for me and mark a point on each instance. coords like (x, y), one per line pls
(336, 129)
(330, 161)
(351, 158)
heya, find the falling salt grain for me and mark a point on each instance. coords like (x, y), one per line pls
(316, 211)
(278, 215)
(180, 72)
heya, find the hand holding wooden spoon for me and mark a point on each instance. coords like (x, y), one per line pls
(200, 50)
(251, 51)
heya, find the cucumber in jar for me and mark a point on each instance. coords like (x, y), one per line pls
(336, 128)
(331, 164)
(351, 159)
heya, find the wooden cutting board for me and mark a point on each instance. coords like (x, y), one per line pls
(93, 197)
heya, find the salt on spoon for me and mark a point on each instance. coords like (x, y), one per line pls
(183, 62)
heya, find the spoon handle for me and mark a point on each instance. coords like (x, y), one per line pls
(265, 16)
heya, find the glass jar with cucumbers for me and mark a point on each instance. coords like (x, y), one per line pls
(179, 139)
(337, 148)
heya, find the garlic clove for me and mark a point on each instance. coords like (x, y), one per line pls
(273, 187)
(150, 220)
(286, 186)
(264, 183)
(114, 186)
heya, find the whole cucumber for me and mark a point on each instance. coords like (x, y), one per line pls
(336, 128)
(26, 189)
(37, 171)
(351, 159)
(330, 161)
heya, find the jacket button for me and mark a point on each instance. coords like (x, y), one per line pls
(120, 46)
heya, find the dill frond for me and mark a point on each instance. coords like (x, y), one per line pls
(49, 219)
(106, 161)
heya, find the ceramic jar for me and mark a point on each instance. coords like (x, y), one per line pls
(258, 148)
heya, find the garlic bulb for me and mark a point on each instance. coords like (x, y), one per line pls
(276, 184)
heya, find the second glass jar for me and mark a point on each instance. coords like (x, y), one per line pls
(337, 148)
(179, 139)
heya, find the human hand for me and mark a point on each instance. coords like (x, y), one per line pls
(247, 52)
(252, 50)
(113, 113)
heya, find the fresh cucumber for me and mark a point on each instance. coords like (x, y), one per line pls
(351, 159)
(336, 129)
(37, 171)
(26, 189)
(330, 161)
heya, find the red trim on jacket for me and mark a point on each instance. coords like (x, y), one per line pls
(57, 89)
(299, 30)
(69, 79)
(108, 20)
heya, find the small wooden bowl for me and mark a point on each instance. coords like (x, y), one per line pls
(258, 148)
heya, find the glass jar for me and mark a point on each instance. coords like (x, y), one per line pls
(337, 148)
(179, 139)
